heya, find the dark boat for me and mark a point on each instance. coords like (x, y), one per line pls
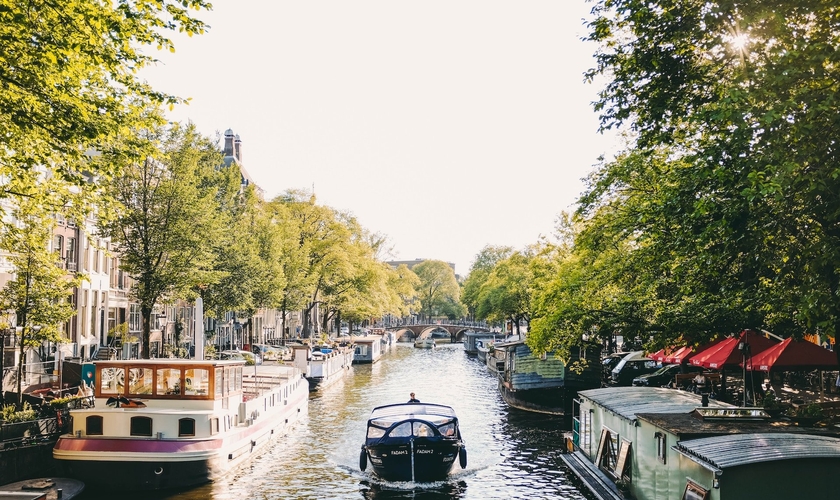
(413, 442)
(545, 383)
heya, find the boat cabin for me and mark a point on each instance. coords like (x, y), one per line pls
(168, 379)
(368, 349)
(412, 419)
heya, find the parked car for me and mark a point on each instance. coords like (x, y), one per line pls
(663, 376)
(225, 355)
(251, 358)
(608, 362)
(267, 352)
(631, 366)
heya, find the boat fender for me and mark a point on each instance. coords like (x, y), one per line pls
(462, 457)
(363, 459)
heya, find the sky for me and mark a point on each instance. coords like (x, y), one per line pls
(445, 125)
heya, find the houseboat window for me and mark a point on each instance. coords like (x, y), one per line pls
(169, 381)
(229, 376)
(607, 450)
(238, 386)
(93, 425)
(112, 380)
(214, 426)
(660, 447)
(139, 381)
(694, 491)
(219, 381)
(196, 382)
(186, 427)
(141, 426)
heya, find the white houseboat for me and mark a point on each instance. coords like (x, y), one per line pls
(368, 349)
(171, 423)
(323, 365)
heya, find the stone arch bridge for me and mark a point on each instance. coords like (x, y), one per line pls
(456, 332)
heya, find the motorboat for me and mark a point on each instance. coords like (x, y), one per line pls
(427, 343)
(415, 442)
(174, 423)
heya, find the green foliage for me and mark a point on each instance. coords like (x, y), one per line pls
(70, 82)
(11, 415)
(438, 290)
(812, 410)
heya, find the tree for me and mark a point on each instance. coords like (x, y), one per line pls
(728, 102)
(480, 269)
(170, 217)
(438, 290)
(39, 290)
(69, 81)
(506, 293)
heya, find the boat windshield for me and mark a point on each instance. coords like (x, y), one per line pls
(378, 428)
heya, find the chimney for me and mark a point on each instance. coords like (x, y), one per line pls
(229, 146)
(237, 149)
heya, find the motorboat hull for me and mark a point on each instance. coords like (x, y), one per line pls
(416, 442)
(431, 461)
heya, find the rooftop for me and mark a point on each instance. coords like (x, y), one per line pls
(721, 452)
(631, 401)
(691, 426)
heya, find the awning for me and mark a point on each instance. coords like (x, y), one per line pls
(791, 355)
(726, 354)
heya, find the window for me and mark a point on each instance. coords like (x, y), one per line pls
(139, 381)
(219, 382)
(422, 430)
(169, 381)
(93, 425)
(660, 446)
(112, 380)
(71, 254)
(607, 453)
(186, 427)
(196, 382)
(135, 320)
(58, 244)
(214, 426)
(141, 426)
(694, 491)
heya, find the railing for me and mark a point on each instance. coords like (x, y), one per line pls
(34, 432)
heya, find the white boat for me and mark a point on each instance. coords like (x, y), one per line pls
(173, 423)
(323, 365)
(428, 343)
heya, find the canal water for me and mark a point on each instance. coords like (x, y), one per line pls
(511, 454)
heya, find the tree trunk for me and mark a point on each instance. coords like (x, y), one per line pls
(146, 313)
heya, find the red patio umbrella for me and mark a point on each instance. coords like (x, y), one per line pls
(726, 354)
(790, 355)
(689, 352)
(658, 355)
(677, 356)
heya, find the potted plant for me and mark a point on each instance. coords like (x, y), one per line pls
(807, 415)
(771, 405)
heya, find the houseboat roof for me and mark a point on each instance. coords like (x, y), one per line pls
(691, 426)
(721, 452)
(631, 401)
